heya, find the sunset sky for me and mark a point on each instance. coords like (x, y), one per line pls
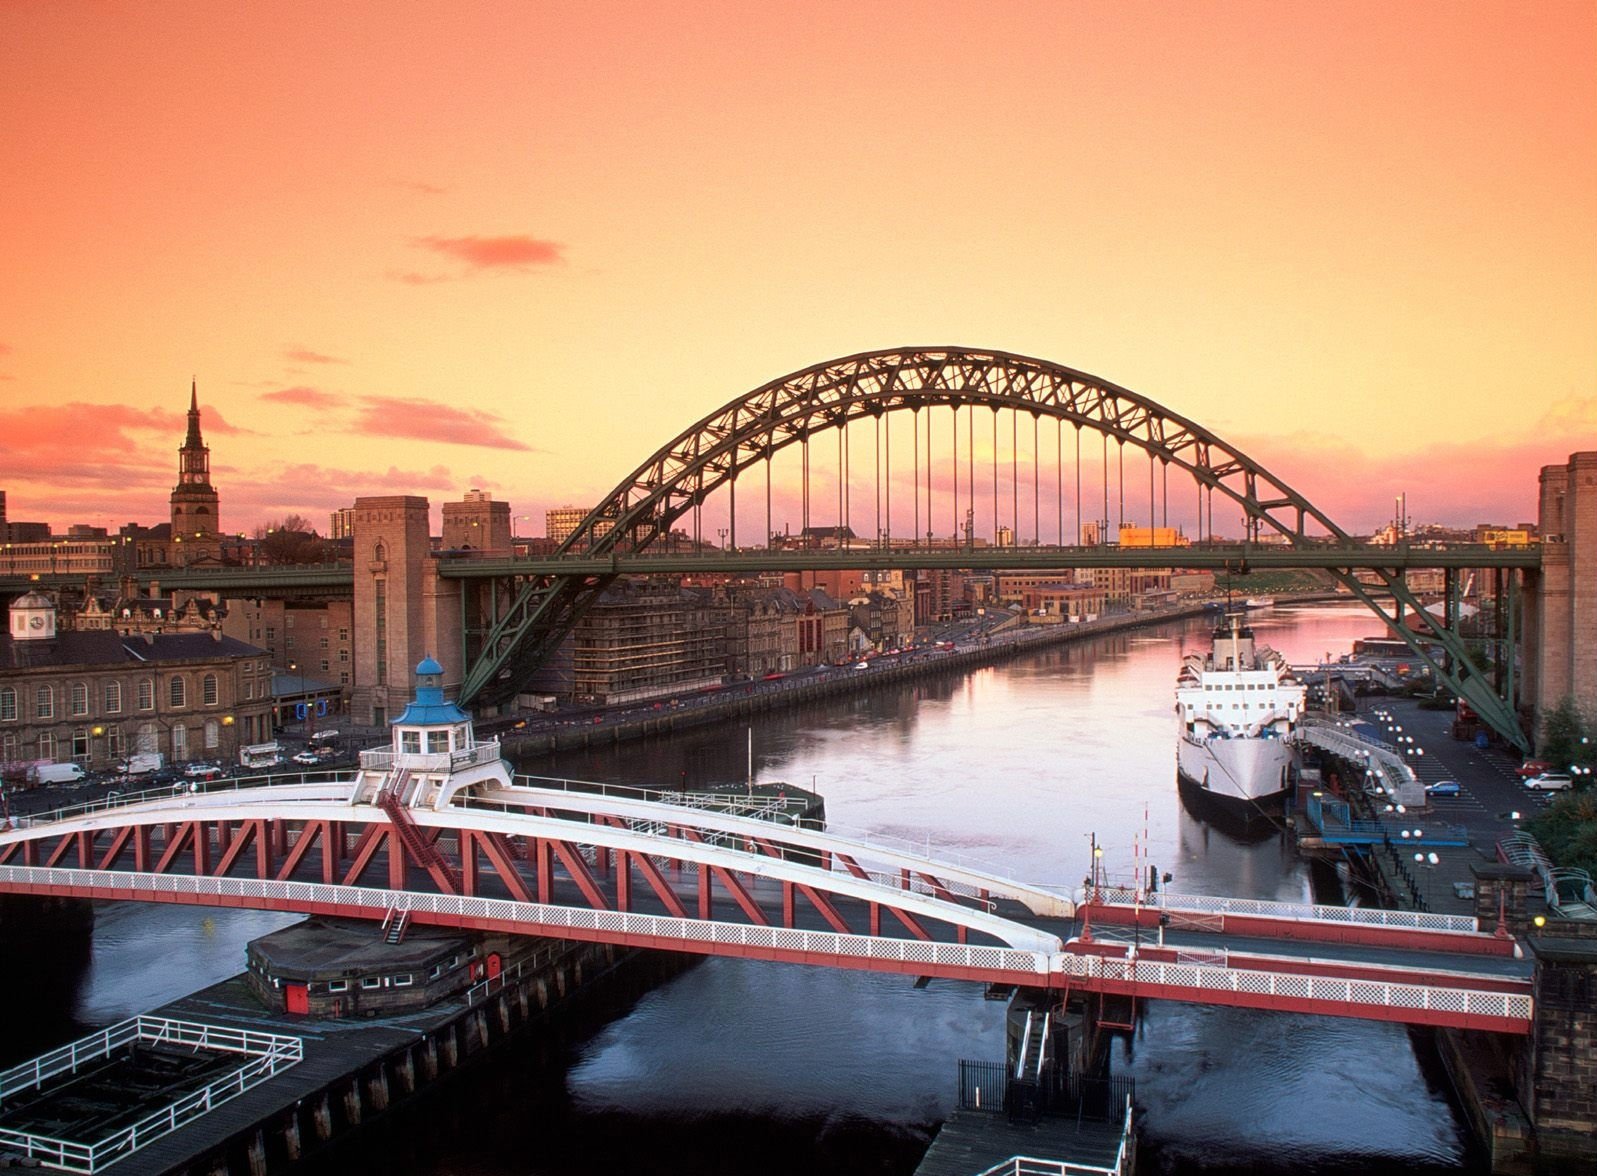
(416, 248)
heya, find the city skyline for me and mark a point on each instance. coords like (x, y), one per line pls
(419, 249)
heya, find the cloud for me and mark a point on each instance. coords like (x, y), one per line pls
(518, 252)
(305, 355)
(315, 490)
(303, 396)
(412, 278)
(426, 420)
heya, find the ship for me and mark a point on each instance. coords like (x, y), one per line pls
(1238, 705)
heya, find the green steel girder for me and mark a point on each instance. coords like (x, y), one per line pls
(1458, 672)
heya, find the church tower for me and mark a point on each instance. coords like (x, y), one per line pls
(196, 520)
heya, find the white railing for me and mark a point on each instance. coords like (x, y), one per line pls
(432, 761)
(269, 1054)
(1508, 1006)
(1037, 1166)
(1352, 916)
(361, 902)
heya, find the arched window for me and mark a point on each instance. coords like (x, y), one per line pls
(44, 703)
(177, 692)
(8, 704)
(146, 694)
(208, 690)
(148, 739)
(79, 695)
(379, 553)
(113, 698)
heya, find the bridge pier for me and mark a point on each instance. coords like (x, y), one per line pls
(1558, 1077)
(1559, 651)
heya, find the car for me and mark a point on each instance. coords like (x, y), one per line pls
(1443, 788)
(1533, 767)
(308, 758)
(202, 771)
(1550, 782)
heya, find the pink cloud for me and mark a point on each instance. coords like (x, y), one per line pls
(303, 396)
(315, 490)
(426, 420)
(305, 355)
(516, 252)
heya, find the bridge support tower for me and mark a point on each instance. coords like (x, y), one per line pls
(1559, 655)
(1558, 1073)
(404, 611)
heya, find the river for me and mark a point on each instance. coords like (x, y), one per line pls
(738, 1066)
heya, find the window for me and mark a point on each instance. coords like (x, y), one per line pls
(44, 703)
(78, 693)
(8, 707)
(404, 980)
(338, 986)
(177, 691)
(288, 621)
(371, 982)
(146, 694)
(213, 734)
(113, 698)
(180, 742)
(80, 745)
(437, 741)
(47, 747)
(113, 742)
(343, 678)
(343, 635)
(8, 746)
(271, 633)
(322, 642)
(208, 690)
(324, 665)
(343, 657)
(288, 642)
(410, 741)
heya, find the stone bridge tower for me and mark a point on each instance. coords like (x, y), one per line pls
(1559, 653)
(404, 612)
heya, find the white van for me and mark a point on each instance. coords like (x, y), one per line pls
(58, 774)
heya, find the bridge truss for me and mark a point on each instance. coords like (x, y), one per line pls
(813, 409)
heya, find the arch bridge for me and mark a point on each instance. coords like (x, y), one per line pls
(831, 430)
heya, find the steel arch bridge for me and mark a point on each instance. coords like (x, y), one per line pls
(708, 456)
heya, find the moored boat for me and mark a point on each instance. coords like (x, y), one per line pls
(1237, 705)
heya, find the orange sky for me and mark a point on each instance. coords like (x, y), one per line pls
(412, 248)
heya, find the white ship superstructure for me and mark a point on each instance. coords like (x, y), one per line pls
(1237, 706)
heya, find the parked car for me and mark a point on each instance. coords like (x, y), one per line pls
(1443, 788)
(1532, 767)
(1550, 782)
(309, 758)
(202, 771)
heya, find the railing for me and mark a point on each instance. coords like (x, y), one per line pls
(269, 1054)
(434, 761)
(359, 902)
(1218, 904)
(1506, 1006)
(1041, 1166)
(116, 799)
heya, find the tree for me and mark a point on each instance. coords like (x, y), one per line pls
(291, 541)
(1564, 740)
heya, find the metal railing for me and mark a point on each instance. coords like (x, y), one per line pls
(1331, 990)
(269, 1055)
(1042, 1166)
(383, 760)
(1172, 901)
(360, 902)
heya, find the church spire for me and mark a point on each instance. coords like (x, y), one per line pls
(193, 440)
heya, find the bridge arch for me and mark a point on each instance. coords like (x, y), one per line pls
(708, 456)
(712, 451)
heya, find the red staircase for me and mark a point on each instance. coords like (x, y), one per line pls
(417, 846)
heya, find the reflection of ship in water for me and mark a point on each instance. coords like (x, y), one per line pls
(1237, 706)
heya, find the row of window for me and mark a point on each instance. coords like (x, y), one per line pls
(77, 697)
(147, 738)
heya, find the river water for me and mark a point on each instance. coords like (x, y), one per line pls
(738, 1066)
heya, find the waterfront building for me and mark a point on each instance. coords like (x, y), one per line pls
(95, 696)
(645, 640)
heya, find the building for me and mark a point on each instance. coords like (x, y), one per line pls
(316, 637)
(646, 640)
(341, 523)
(196, 506)
(1561, 622)
(1066, 599)
(479, 524)
(95, 696)
(561, 521)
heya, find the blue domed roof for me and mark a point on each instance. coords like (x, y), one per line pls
(429, 666)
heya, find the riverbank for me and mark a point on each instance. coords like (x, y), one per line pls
(739, 701)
